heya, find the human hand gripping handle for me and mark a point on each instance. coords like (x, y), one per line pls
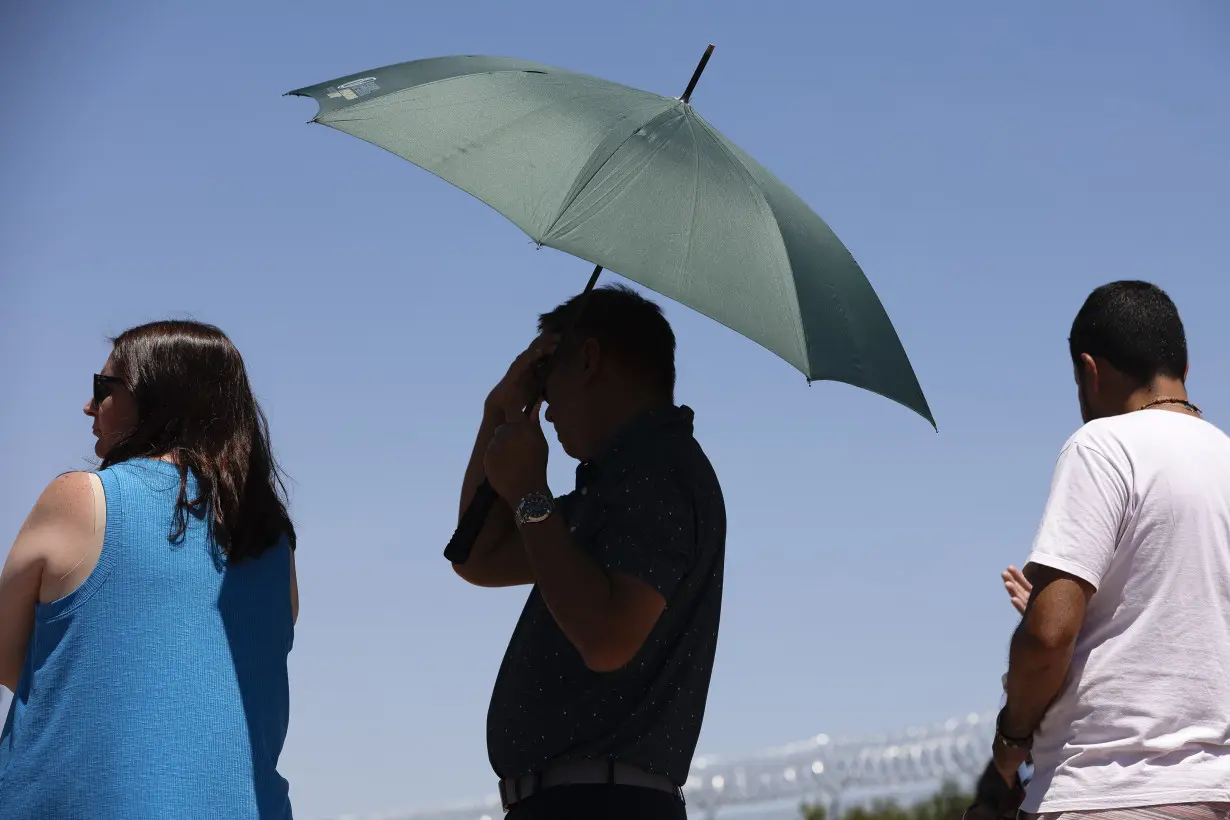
(516, 457)
(459, 546)
(521, 385)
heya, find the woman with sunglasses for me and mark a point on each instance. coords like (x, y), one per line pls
(147, 609)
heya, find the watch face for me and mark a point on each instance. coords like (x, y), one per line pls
(535, 508)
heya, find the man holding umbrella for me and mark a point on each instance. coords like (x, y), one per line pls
(598, 704)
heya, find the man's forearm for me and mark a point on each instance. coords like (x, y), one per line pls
(499, 524)
(1036, 673)
(576, 589)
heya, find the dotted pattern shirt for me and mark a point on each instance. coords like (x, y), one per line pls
(650, 507)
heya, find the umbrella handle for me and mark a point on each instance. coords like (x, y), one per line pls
(471, 524)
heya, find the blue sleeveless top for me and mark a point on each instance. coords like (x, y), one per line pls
(158, 688)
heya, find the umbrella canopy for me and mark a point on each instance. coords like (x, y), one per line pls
(642, 185)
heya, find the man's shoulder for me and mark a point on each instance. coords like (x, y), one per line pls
(681, 456)
(669, 468)
(1114, 436)
(1096, 434)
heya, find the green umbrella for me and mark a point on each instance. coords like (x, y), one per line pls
(642, 185)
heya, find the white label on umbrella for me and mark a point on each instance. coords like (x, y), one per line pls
(358, 88)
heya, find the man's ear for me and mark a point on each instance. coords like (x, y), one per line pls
(590, 359)
(1089, 368)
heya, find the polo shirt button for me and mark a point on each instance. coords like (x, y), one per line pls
(585, 491)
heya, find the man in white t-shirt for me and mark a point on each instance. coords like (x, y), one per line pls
(1119, 674)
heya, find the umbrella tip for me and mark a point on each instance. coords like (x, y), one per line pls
(700, 67)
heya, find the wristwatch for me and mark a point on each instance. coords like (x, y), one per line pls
(1010, 742)
(534, 508)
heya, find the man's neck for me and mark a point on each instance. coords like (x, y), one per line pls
(1162, 394)
(618, 415)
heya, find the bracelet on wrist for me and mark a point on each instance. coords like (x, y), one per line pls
(1011, 741)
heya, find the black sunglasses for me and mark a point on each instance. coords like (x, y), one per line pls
(103, 386)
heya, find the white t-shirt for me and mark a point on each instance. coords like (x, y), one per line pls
(1140, 508)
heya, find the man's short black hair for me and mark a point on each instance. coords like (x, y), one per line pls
(1135, 327)
(627, 326)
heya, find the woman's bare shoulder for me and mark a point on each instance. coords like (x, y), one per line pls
(67, 503)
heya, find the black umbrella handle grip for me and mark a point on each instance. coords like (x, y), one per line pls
(472, 521)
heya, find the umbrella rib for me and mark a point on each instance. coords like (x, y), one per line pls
(687, 256)
(604, 202)
(925, 409)
(758, 191)
(579, 185)
(367, 113)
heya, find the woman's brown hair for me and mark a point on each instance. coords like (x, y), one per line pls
(195, 406)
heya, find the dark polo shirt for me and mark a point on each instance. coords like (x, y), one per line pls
(650, 507)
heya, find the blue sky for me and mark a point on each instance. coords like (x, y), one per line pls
(988, 165)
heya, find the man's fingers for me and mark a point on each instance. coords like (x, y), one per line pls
(1017, 587)
(528, 358)
(541, 347)
(515, 416)
(1014, 579)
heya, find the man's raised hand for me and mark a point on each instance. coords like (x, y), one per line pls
(521, 384)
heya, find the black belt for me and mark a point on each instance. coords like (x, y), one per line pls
(582, 773)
